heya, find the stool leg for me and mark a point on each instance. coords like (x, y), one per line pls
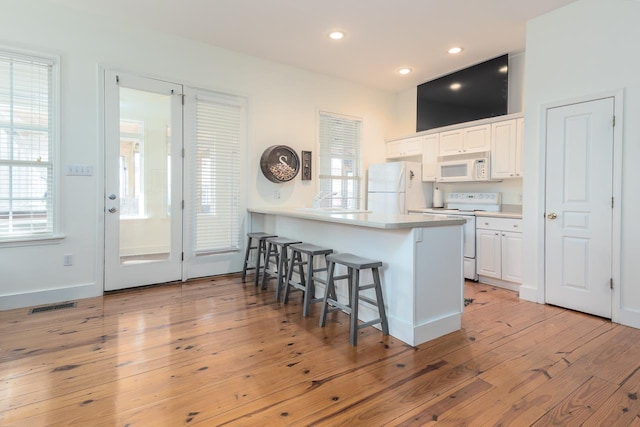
(309, 289)
(328, 291)
(295, 256)
(261, 250)
(267, 257)
(355, 294)
(381, 310)
(282, 270)
(246, 259)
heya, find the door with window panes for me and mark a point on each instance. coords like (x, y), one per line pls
(143, 181)
(152, 233)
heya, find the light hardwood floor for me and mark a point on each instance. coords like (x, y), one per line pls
(219, 352)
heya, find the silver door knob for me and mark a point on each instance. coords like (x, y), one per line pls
(112, 210)
(552, 216)
(112, 196)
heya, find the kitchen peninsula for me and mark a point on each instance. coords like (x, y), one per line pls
(422, 262)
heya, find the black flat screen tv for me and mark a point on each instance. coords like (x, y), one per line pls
(474, 93)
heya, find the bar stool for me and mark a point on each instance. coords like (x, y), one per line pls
(306, 284)
(260, 246)
(278, 248)
(330, 303)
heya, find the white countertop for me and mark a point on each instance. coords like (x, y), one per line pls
(371, 220)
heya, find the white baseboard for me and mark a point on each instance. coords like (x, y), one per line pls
(49, 296)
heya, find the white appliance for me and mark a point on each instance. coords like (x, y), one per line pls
(464, 169)
(465, 205)
(395, 187)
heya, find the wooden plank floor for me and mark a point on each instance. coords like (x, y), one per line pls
(219, 352)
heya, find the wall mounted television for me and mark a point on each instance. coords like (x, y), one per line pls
(482, 93)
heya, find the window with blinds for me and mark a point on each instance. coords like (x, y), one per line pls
(340, 170)
(218, 130)
(27, 141)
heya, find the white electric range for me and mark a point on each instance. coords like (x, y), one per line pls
(465, 205)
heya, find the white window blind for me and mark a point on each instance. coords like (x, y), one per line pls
(27, 141)
(218, 130)
(340, 160)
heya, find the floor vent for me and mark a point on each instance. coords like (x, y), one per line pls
(53, 307)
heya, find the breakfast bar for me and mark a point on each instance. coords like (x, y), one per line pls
(422, 277)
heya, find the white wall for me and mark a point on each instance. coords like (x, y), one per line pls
(585, 48)
(283, 104)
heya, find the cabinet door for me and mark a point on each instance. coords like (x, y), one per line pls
(451, 142)
(519, 145)
(412, 147)
(477, 139)
(430, 151)
(511, 256)
(503, 149)
(393, 149)
(488, 255)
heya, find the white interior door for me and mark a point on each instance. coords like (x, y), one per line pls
(143, 181)
(579, 189)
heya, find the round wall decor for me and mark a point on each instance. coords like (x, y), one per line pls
(279, 163)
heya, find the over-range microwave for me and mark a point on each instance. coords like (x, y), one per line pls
(470, 169)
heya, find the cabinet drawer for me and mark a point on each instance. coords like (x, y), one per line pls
(502, 224)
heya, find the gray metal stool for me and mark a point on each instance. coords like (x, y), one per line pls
(306, 284)
(278, 248)
(330, 302)
(260, 247)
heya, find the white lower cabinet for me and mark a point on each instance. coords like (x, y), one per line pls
(499, 250)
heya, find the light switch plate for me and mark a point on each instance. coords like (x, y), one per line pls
(79, 170)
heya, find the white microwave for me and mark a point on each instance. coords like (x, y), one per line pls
(476, 169)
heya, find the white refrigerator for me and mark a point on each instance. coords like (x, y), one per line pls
(395, 187)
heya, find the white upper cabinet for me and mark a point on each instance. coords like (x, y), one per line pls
(506, 149)
(404, 147)
(430, 151)
(472, 139)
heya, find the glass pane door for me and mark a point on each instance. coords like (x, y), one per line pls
(143, 132)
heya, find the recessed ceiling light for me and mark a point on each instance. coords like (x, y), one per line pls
(455, 86)
(336, 35)
(404, 71)
(455, 50)
(504, 69)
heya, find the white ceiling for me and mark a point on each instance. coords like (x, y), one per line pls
(381, 35)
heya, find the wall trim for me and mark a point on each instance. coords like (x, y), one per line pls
(29, 299)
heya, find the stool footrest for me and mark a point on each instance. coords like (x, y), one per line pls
(369, 323)
(335, 305)
(365, 287)
(368, 300)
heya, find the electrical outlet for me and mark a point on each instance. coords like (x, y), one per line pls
(68, 260)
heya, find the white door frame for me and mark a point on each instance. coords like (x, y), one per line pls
(618, 96)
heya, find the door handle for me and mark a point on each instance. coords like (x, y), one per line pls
(112, 210)
(112, 196)
(552, 215)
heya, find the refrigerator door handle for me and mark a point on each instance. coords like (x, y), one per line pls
(399, 180)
